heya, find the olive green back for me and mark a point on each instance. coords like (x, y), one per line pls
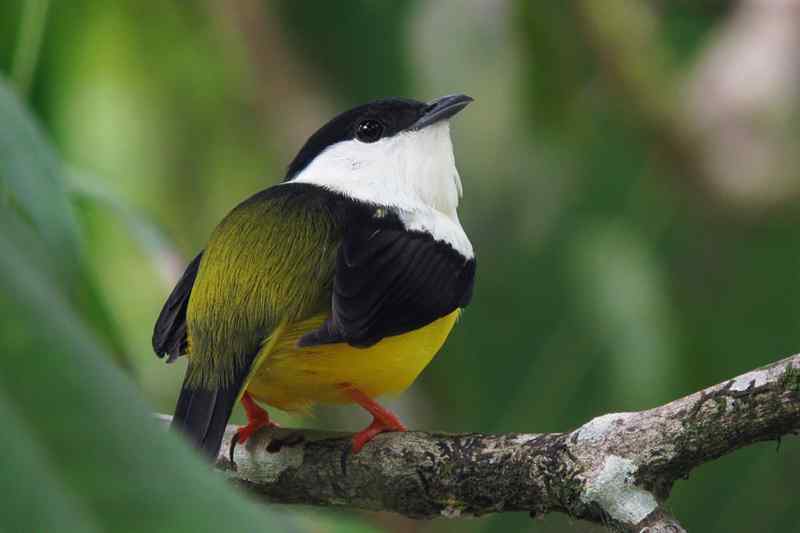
(271, 259)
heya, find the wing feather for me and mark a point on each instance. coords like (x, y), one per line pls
(389, 281)
(169, 333)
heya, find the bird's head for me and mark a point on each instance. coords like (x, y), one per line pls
(394, 152)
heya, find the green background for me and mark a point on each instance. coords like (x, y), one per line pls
(614, 272)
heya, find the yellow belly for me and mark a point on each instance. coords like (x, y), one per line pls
(293, 378)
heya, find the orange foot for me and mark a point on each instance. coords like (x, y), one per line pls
(382, 419)
(257, 418)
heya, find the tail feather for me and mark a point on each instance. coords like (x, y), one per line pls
(202, 414)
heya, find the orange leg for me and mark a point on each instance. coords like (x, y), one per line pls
(257, 418)
(382, 419)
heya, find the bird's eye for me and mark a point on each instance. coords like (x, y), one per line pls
(369, 131)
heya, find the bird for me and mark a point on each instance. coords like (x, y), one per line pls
(335, 286)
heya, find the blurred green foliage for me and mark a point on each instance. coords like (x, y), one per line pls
(604, 283)
(82, 451)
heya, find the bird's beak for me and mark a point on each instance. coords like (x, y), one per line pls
(442, 109)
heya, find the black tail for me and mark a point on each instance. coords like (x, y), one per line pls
(202, 414)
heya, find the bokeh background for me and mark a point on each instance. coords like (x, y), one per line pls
(631, 189)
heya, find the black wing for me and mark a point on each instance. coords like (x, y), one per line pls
(169, 334)
(390, 281)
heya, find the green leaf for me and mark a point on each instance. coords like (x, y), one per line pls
(39, 500)
(78, 435)
(32, 183)
(31, 180)
(81, 450)
(165, 257)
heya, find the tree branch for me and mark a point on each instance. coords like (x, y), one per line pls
(618, 469)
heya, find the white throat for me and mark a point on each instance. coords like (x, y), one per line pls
(412, 172)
